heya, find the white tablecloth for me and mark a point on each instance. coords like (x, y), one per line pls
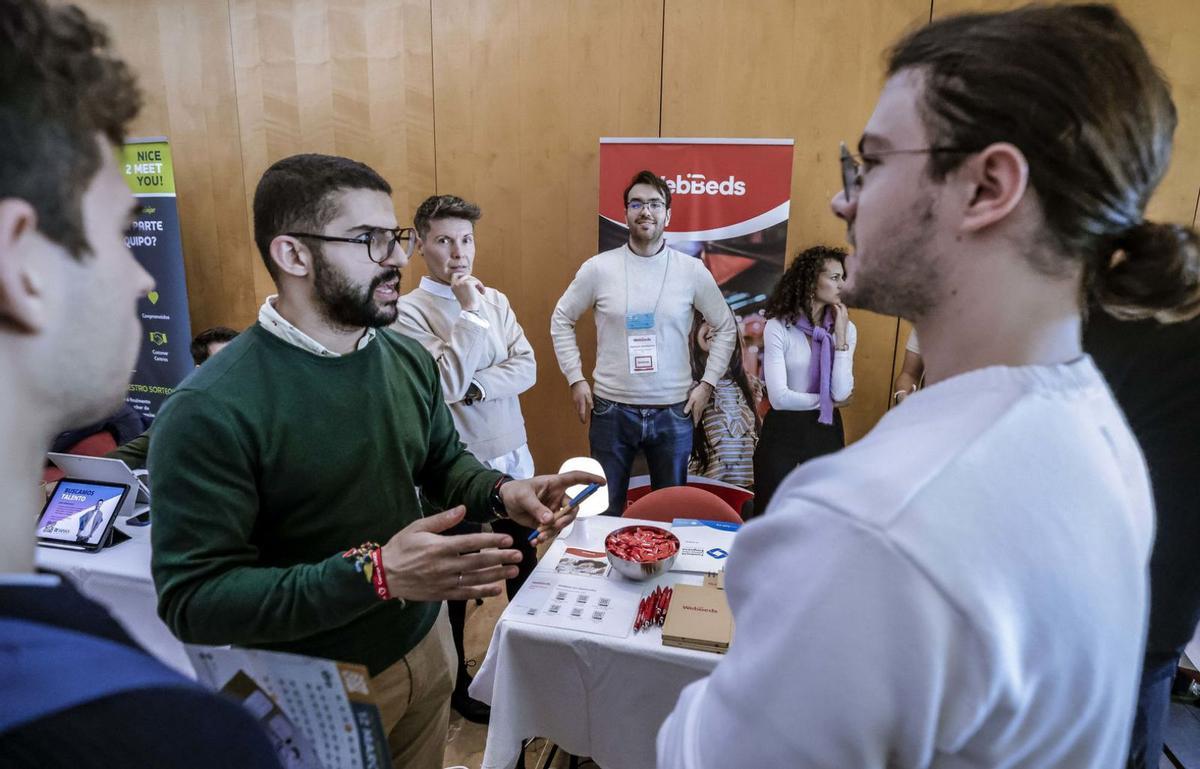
(119, 578)
(590, 694)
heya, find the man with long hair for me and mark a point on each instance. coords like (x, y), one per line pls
(966, 585)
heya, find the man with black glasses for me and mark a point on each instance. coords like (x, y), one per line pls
(643, 295)
(285, 470)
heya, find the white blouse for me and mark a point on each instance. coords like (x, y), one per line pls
(786, 358)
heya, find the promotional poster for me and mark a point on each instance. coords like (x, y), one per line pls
(165, 358)
(79, 512)
(729, 207)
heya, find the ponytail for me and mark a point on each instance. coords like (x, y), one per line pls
(1153, 270)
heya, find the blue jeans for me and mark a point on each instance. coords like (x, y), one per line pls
(618, 431)
(1149, 721)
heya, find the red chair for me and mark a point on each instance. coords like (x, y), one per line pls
(665, 505)
(735, 496)
(95, 445)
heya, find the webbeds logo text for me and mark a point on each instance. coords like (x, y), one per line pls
(699, 184)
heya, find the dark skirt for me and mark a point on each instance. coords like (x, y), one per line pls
(790, 438)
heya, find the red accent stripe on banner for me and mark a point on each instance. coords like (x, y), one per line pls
(713, 185)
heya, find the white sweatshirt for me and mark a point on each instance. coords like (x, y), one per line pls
(963, 587)
(600, 285)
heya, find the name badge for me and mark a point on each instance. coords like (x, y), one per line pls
(639, 321)
(643, 354)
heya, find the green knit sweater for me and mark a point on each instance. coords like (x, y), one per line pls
(268, 463)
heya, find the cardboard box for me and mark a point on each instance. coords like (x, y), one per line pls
(699, 618)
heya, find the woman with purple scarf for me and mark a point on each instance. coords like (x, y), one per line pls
(808, 354)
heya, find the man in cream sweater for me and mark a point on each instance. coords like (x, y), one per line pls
(484, 362)
(642, 295)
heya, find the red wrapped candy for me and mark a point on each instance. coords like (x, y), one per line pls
(643, 544)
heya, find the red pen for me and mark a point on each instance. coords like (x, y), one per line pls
(642, 615)
(651, 601)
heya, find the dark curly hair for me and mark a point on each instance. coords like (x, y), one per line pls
(792, 296)
(60, 86)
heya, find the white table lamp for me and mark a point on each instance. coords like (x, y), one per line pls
(594, 505)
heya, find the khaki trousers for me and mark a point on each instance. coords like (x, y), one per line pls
(414, 699)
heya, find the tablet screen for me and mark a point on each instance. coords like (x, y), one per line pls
(80, 512)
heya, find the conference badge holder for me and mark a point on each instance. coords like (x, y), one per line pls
(643, 347)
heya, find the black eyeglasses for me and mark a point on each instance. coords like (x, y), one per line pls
(380, 242)
(852, 164)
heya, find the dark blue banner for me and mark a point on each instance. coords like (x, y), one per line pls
(154, 238)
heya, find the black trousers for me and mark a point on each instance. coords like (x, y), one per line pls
(457, 610)
(788, 439)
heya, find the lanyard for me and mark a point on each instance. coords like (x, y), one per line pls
(666, 271)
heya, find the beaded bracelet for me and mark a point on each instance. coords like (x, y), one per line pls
(368, 561)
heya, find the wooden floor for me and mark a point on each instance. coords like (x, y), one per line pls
(1182, 738)
(465, 740)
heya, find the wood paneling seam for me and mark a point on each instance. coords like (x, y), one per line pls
(433, 94)
(662, 65)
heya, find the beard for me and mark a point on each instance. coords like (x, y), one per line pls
(349, 305)
(899, 276)
(641, 241)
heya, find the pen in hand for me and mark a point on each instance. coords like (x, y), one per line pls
(570, 503)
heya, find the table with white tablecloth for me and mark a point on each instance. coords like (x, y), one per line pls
(593, 695)
(118, 577)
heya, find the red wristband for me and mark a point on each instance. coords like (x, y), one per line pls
(379, 578)
(368, 561)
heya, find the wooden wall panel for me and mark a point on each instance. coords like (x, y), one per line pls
(181, 54)
(503, 102)
(524, 90)
(1171, 29)
(902, 332)
(807, 69)
(343, 77)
